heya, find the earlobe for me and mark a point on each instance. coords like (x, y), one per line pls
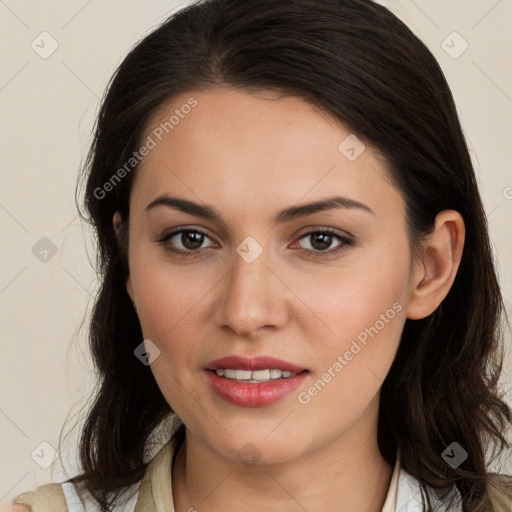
(117, 220)
(436, 268)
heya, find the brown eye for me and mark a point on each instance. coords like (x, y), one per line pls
(191, 239)
(321, 241)
(185, 240)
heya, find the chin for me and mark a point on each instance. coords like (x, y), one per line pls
(259, 450)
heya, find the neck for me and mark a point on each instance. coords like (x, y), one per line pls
(346, 474)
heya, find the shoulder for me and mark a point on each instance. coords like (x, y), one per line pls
(63, 497)
(45, 498)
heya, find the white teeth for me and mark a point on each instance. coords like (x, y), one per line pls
(253, 376)
(243, 374)
(261, 375)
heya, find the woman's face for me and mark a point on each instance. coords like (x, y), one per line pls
(259, 278)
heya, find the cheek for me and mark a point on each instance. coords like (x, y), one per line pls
(353, 363)
(169, 301)
(369, 291)
(168, 297)
(362, 308)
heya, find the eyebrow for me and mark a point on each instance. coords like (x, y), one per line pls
(286, 215)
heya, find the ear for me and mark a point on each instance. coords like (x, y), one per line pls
(434, 270)
(117, 222)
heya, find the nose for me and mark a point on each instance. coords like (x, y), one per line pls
(252, 297)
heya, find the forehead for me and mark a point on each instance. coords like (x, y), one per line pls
(254, 149)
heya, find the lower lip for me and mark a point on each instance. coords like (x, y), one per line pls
(254, 395)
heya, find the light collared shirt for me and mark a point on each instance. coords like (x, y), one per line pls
(154, 492)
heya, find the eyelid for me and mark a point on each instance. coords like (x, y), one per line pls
(169, 233)
(325, 229)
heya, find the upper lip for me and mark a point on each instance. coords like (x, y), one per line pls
(253, 363)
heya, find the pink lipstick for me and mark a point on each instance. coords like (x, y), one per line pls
(254, 381)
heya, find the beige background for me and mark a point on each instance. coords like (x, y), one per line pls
(47, 107)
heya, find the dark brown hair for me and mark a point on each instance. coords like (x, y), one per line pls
(359, 62)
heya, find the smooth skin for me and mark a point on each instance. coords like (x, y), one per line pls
(250, 155)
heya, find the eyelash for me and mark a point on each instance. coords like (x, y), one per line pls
(344, 245)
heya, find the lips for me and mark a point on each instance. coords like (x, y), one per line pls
(251, 393)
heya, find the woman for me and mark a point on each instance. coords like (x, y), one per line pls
(296, 274)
